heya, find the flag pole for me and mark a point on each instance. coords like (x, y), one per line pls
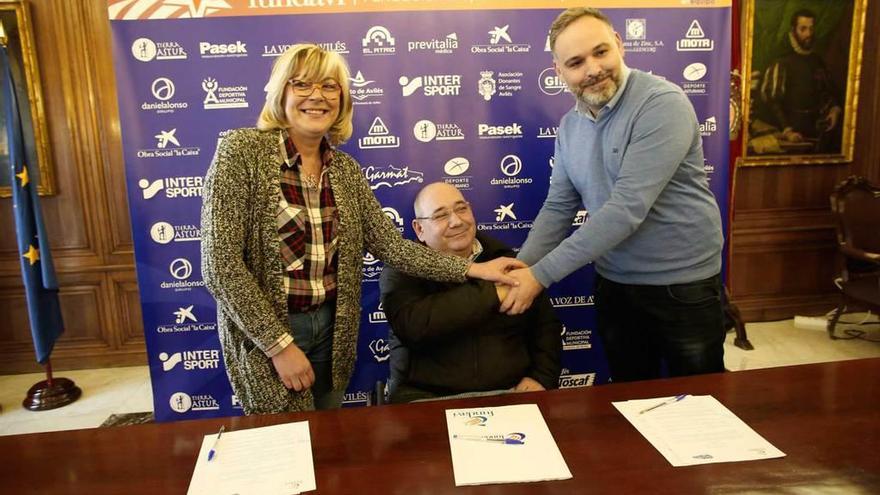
(52, 392)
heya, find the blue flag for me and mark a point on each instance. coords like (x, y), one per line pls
(37, 271)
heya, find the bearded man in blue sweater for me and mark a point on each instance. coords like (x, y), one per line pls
(629, 152)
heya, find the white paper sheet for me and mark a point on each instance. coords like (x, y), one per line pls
(696, 430)
(509, 444)
(272, 460)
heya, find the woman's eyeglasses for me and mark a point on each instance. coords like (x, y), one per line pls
(329, 88)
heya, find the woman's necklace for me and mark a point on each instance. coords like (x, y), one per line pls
(310, 180)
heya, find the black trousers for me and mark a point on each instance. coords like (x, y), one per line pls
(644, 327)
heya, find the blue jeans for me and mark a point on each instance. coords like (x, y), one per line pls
(644, 327)
(313, 333)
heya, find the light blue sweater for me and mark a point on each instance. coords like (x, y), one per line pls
(638, 170)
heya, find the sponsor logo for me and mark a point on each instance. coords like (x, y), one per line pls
(427, 131)
(380, 349)
(505, 84)
(168, 146)
(356, 399)
(362, 92)
(694, 71)
(174, 187)
(550, 83)
(377, 316)
(431, 85)
(330, 46)
(181, 270)
(500, 41)
(579, 218)
(182, 402)
(163, 90)
(708, 168)
(371, 269)
(547, 43)
(708, 127)
(548, 133)
(454, 168)
(218, 97)
(442, 46)
(578, 380)
(571, 301)
(395, 217)
(486, 131)
(222, 50)
(695, 40)
(505, 219)
(378, 136)
(164, 232)
(636, 40)
(511, 166)
(185, 321)
(191, 360)
(636, 29)
(236, 403)
(391, 176)
(576, 339)
(378, 41)
(146, 50)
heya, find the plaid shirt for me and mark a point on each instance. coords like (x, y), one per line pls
(307, 222)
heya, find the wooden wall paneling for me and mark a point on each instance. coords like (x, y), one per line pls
(868, 132)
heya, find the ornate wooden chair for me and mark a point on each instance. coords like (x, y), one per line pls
(855, 204)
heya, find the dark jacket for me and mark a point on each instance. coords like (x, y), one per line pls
(456, 339)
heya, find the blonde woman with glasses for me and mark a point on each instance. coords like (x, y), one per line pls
(285, 222)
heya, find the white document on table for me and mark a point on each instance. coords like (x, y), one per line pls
(509, 444)
(272, 460)
(696, 430)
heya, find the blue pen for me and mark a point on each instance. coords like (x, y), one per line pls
(213, 451)
(667, 401)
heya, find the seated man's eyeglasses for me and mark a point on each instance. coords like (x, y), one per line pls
(441, 217)
(329, 88)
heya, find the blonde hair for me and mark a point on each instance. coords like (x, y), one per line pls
(312, 63)
(567, 17)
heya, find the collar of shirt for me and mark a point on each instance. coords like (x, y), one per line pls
(292, 156)
(477, 250)
(584, 110)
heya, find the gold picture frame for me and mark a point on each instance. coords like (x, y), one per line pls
(15, 17)
(799, 95)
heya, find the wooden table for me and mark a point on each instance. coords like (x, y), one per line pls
(826, 417)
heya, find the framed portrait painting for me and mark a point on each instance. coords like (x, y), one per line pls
(801, 72)
(15, 19)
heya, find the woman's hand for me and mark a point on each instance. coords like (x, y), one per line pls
(496, 270)
(294, 368)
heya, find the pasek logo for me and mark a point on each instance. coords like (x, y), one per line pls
(146, 50)
(486, 131)
(378, 137)
(222, 50)
(378, 41)
(432, 85)
(695, 40)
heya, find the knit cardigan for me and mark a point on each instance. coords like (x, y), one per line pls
(242, 265)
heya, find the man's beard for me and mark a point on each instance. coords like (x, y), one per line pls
(599, 99)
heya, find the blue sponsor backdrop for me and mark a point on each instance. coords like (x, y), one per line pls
(465, 97)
